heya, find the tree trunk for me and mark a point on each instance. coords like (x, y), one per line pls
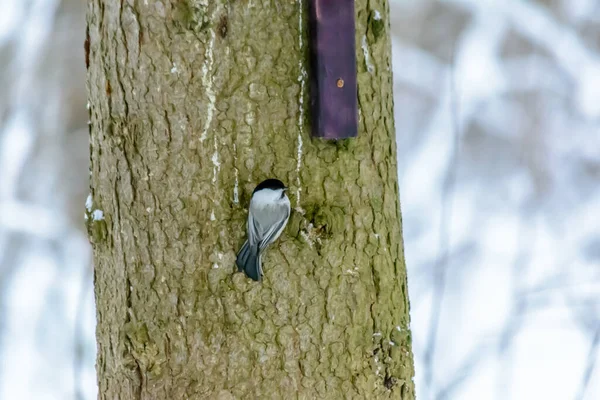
(192, 103)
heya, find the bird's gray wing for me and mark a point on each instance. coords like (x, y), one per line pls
(274, 232)
(254, 235)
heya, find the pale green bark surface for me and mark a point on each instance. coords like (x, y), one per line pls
(186, 100)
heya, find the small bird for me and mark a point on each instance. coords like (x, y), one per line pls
(268, 215)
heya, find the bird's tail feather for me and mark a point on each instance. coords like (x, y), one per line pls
(248, 260)
(242, 256)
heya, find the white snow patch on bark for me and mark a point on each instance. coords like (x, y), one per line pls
(98, 215)
(236, 184)
(302, 79)
(88, 203)
(207, 82)
(215, 161)
(365, 48)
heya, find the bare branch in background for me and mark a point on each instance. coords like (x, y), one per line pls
(439, 278)
(590, 365)
(79, 342)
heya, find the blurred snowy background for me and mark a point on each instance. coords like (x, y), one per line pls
(498, 123)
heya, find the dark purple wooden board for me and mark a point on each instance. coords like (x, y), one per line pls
(334, 103)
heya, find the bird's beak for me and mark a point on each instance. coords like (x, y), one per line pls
(285, 189)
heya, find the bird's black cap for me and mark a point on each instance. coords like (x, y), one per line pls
(272, 184)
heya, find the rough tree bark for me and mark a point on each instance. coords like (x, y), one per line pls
(192, 103)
